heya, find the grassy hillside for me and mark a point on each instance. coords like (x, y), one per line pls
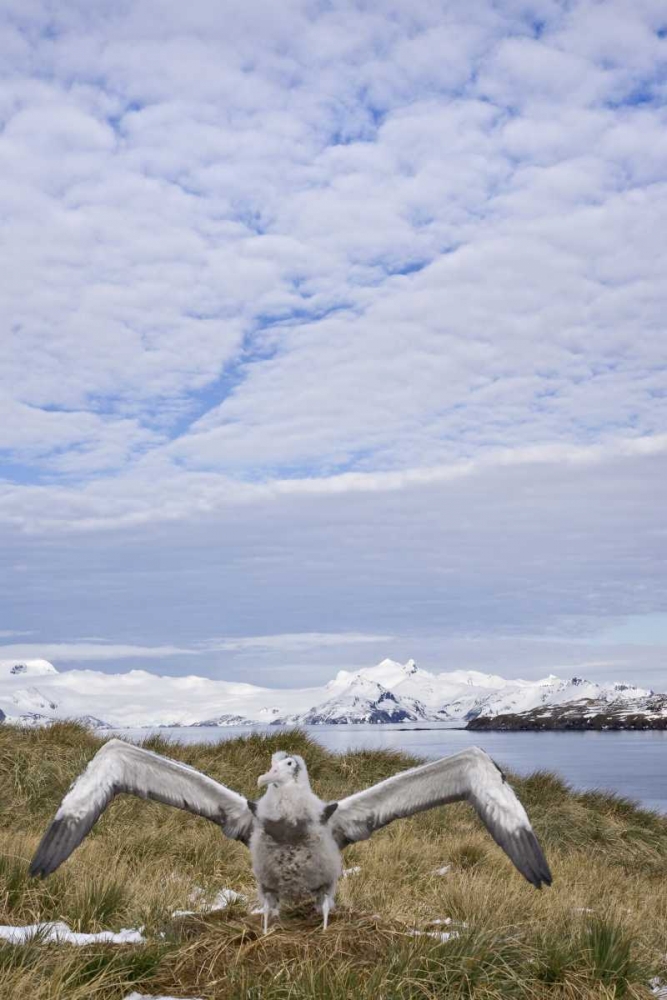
(600, 931)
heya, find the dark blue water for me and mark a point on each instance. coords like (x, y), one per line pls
(633, 764)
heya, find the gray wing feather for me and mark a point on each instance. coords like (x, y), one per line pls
(123, 768)
(470, 775)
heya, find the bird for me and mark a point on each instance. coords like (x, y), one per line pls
(294, 837)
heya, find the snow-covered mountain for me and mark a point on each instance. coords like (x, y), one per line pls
(35, 692)
(225, 720)
(362, 700)
(26, 668)
(458, 696)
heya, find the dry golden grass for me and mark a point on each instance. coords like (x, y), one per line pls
(600, 931)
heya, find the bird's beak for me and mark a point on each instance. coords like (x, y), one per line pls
(264, 779)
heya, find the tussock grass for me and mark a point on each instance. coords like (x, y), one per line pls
(599, 932)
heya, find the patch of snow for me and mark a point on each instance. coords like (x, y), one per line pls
(438, 935)
(58, 932)
(442, 871)
(449, 922)
(354, 870)
(221, 902)
(148, 996)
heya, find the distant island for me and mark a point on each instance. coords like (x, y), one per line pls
(586, 714)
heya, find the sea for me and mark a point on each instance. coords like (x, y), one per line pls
(632, 764)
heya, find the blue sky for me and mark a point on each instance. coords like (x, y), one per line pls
(334, 331)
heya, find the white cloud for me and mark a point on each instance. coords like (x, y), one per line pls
(87, 651)
(294, 641)
(70, 652)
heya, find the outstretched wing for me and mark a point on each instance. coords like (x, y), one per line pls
(469, 775)
(121, 767)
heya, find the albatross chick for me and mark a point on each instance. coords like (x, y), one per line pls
(295, 838)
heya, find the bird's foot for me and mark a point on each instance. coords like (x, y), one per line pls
(268, 910)
(326, 907)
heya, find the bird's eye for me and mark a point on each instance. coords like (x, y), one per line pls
(289, 763)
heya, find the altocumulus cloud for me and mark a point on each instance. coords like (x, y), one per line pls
(335, 320)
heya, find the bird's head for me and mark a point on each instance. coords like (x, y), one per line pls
(286, 768)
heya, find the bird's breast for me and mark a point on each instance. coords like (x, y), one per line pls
(289, 832)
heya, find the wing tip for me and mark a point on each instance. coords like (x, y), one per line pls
(540, 880)
(535, 866)
(547, 877)
(37, 869)
(42, 865)
(55, 846)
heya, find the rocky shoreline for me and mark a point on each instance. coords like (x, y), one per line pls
(582, 716)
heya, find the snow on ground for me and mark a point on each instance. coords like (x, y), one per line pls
(438, 935)
(58, 932)
(221, 902)
(147, 996)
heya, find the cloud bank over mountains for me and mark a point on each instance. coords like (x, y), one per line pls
(335, 320)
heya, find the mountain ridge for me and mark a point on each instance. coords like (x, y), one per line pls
(35, 692)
